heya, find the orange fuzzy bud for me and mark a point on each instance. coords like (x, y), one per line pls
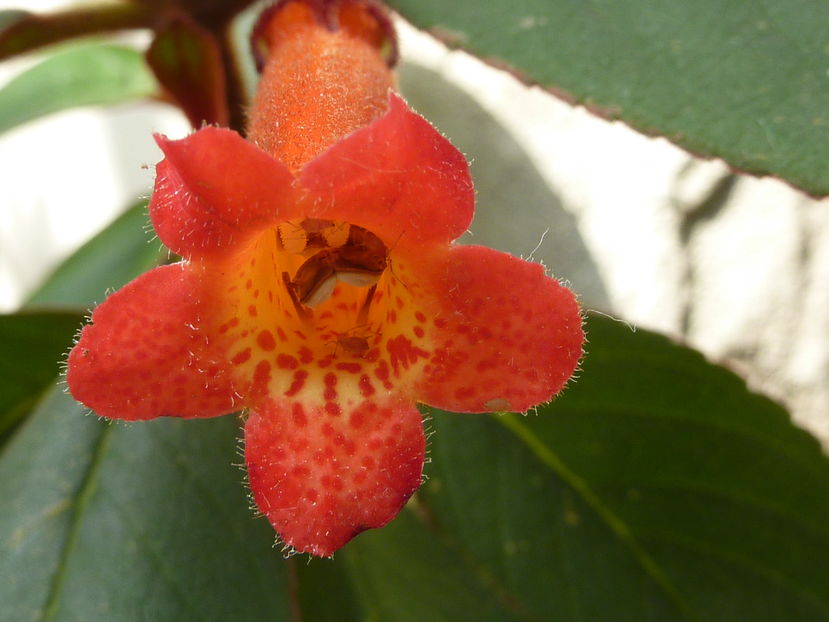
(326, 73)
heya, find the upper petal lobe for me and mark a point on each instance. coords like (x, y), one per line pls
(214, 190)
(397, 177)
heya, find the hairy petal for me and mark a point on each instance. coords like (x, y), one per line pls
(322, 478)
(508, 336)
(397, 177)
(144, 356)
(214, 190)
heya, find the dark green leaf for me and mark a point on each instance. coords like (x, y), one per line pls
(33, 345)
(408, 572)
(112, 258)
(745, 81)
(113, 522)
(80, 76)
(656, 488)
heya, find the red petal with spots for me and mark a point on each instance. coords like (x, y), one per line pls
(509, 337)
(141, 357)
(397, 177)
(214, 190)
(322, 478)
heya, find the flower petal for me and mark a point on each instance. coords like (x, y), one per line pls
(322, 478)
(142, 356)
(214, 189)
(397, 177)
(509, 336)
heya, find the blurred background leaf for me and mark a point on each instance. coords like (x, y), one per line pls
(111, 259)
(744, 81)
(83, 75)
(33, 344)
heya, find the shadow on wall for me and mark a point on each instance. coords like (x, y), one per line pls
(515, 205)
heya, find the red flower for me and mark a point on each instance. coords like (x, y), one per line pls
(321, 295)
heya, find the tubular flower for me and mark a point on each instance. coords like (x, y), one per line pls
(320, 293)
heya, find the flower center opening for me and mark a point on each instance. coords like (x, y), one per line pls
(313, 297)
(330, 272)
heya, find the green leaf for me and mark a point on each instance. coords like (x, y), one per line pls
(34, 344)
(744, 81)
(656, 488)
(80, 76)
(114, 522)
(111, 259)
(408, 572)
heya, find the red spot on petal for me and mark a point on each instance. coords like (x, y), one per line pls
(333, 409)
(330, 387)
(281, 333)
(420, 317)
(366, 388)
(403, 353)
(353, 368)
(356, 419)
(299, 381)
(252, 311)
(305, 354)
(261, 376)
(241, 357)
(265, 340)
(382, 373)
(419, 332)
(298, 415)
(286, 361)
